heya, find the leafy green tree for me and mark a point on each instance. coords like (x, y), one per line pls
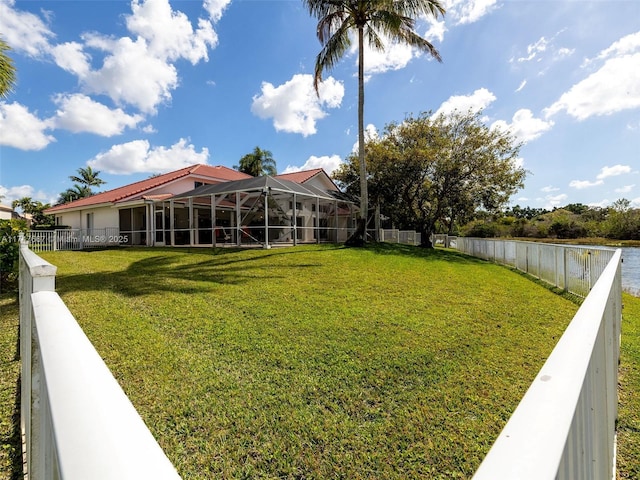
(623, 221)
(35, 209)
(373, 20)
(257, 163)
(9, 252)
(87, 177)
(428, 171)
(7, 70)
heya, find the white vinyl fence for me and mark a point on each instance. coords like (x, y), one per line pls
(77, 423)
(574, 269)
(74, 239)
(564, 426)
(407, 237)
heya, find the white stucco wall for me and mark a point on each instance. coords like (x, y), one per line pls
(5, 212)
(103, 217)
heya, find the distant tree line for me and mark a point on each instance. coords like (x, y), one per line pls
(619, 221)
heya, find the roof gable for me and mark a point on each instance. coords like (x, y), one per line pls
(306, 176)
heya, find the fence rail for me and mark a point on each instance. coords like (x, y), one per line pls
(407, 237)
(574, 269)
(77, 422)
(564, 426)
(74, 239)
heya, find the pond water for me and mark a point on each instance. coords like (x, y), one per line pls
(631, 270)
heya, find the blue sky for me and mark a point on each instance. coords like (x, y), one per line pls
(134, 88)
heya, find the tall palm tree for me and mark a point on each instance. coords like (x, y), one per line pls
(7, 70)
(75, 193)
(257, 163)
(88, 177)
(375, 20)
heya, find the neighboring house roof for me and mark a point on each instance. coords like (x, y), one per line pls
(137, 190)
(306, 175)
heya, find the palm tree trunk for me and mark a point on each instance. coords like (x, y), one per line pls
(359, 237)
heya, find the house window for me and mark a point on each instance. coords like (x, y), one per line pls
(199, 184)
(89, 221)
(58, 221)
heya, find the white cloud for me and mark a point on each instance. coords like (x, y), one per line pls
(136, 70)
(524, 127)
(294, 105)
(478, 100)
(522, 85)
(582, 184)
(78, 113)
(436, 30)
(612, 88)
(468, 11)
(138, 157)
(21, 129)
(10, 194)
(601, 204)
(626, 45)
(131, 75)
(394, 57)
(549, 189)
(555, 200)
(215, 8)
(534, 50)
(24, 31)
(71, 57)
(635, 203)
(169, 34)
(328, 163)
(625, 189)
(613, 171)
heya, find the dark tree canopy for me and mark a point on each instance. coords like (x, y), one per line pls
(427, 172)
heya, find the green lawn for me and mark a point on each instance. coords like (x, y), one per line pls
(319, 361)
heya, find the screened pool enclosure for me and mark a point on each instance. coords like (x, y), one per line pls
(260, 211)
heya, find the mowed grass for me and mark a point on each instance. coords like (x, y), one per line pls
(629, 391)
(318, 362)
(315, 362)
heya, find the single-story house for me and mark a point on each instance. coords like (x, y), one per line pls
(210, 205)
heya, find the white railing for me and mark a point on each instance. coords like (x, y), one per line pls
(74, 239)
(77, 422)
(444, 240)
(407, 237)
(564, 426)
(571, 268)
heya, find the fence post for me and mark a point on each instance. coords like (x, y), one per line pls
(35, 275)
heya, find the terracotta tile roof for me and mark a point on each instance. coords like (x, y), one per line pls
(218, 173)
(300, 177)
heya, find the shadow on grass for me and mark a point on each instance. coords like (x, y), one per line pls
(166, 270)
(433, 254)
(169, 269)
